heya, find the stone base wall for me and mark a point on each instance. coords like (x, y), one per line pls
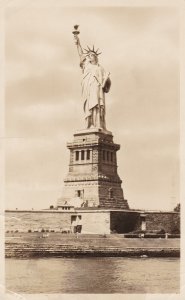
(36, 220)
(24, 221)
(92, 221)
(124, 222)
(170, 222)
(96, 223)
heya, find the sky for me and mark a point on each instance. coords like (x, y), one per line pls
(43, 107)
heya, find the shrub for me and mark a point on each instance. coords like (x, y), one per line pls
(177, 208)
(130, 235)
(175, 230)
(155, 236)
(162, 231)
(137, 231)
(174, 236)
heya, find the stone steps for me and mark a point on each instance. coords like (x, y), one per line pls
(72, 247)
(61, 247)
(89, 251)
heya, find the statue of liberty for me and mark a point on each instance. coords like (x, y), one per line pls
(95, 83)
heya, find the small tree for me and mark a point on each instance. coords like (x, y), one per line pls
(177, 208)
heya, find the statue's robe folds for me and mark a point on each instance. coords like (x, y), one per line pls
(93, 77)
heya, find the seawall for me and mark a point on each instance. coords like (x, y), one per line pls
(58, 245)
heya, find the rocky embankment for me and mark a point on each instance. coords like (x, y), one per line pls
(37, 245)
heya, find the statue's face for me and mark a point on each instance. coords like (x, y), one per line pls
(93, 58)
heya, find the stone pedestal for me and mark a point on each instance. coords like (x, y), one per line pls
(92, 180)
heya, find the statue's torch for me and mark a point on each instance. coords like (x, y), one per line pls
(76, 32)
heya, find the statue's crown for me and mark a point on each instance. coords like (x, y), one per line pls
(87, 51)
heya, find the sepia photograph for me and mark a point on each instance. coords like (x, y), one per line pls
(92, 149)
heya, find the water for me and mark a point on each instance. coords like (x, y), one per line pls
(93, 275)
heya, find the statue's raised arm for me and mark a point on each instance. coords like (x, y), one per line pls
(79, 47)
(95, 83)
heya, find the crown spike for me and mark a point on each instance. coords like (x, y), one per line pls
(88, 50)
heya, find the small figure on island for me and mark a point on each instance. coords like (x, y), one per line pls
(95, 83)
